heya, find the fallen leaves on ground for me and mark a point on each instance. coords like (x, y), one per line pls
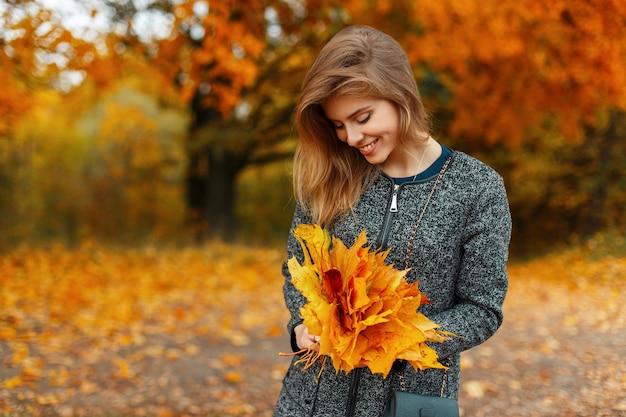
(562, 348)
(138, 332)
(157, 332)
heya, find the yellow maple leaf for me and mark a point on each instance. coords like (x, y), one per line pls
(364, 311)
(14, 382)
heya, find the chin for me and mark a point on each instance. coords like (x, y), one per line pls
(374, 161)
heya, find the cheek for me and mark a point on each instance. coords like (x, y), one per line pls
(341, 135)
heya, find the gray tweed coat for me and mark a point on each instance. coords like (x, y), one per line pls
(459, 256)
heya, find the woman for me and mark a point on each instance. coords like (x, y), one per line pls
(366, 160)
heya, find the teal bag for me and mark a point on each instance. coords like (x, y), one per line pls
(407, 404)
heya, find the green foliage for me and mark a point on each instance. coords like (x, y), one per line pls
(265, 203)
(115, 174)
(609, 243)
(137, 168)
(44, 166)
(561, 191)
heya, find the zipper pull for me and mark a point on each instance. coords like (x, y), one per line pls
(394, 199)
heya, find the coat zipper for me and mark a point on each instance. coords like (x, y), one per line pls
(354, 387)
(393, 209)
(356, 373)
(394, 199)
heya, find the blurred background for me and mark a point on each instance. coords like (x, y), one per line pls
(145, 195)
(170, 121)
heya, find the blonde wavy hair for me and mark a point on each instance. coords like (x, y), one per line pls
(329, 175)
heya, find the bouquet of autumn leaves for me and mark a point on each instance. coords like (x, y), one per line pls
(364, 311)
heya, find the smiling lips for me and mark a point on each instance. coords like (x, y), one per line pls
(369, 148)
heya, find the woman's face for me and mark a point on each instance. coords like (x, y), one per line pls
(370, 125)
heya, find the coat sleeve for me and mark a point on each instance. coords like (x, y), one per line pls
(482, 281)
(293, 298)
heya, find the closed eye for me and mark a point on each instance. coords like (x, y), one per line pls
(361, 120)
(364, 120)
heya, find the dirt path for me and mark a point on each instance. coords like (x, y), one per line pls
(571, 372)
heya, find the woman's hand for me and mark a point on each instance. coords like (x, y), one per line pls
(304, 340)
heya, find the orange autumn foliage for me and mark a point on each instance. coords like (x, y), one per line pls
(364, 311)
(511, 65)
(218, 54)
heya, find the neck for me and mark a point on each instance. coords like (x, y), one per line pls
(413, 160)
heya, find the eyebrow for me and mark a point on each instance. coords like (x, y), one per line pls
(358, 111)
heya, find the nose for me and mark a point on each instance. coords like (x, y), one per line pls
(353, 135)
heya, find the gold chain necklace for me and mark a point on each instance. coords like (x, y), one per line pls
(421, 160)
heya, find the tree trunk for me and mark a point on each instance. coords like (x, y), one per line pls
(211, 192)
(219, 209)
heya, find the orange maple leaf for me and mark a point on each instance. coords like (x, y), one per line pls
(364, 311)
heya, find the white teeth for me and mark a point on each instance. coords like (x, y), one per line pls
(368, 147)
